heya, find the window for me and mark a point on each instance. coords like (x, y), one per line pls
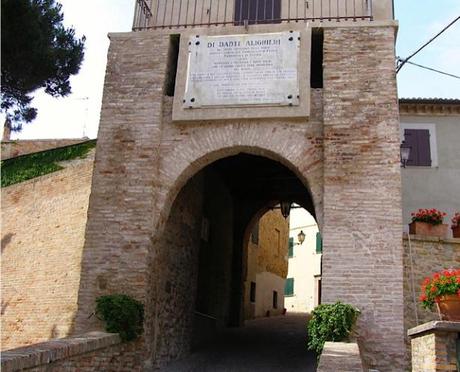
(319, 243)
(255, 234)
(278, 241)
(289, 287)
(275, 300)
(257, 11)
(291, 248)
(252, 292)
(421, 137)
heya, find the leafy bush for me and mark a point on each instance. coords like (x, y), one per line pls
(122, 314)
(330, 323)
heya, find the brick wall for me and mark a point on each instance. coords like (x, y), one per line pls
(362, 253)
(11, 149)
(94, 351)
(43, 225)
(144, 160)
(429, 255)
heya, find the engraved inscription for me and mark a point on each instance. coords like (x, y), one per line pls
(240, 70)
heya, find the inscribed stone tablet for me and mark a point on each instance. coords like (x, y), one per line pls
(241, 70)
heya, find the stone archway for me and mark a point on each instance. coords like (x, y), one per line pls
(187, 261)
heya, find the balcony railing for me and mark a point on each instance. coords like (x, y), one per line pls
(153, 14)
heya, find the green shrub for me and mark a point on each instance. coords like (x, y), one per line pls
(29, 166)
(330, 323)
(122, 314)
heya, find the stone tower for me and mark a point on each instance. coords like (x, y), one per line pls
(213, 112)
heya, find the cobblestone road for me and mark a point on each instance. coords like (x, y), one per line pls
(267, 344)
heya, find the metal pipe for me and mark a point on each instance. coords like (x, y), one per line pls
(180, 12)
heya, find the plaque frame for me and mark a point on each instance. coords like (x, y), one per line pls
(302, 110)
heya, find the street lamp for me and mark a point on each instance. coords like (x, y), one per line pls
(301, 237)
(285, 207)
(404, 150)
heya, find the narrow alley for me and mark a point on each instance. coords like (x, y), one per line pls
(265, 344)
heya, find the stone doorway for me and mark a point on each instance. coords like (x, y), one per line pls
(198, 270)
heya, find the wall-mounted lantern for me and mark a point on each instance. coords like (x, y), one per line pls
(404, 150)
(301, 237)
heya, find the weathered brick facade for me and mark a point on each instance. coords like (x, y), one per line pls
(94, 351)
(43, 227)
(144, 160)
(362, 251)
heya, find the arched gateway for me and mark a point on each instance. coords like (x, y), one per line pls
(170, 160)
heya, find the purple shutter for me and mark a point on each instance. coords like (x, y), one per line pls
(419, 142)
(423, 145)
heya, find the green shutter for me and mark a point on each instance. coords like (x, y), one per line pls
(289, 287)
(291, 247)
(319, 243)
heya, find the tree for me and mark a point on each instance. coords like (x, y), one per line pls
(37, 52)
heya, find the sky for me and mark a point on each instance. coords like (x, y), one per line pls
(77, 115)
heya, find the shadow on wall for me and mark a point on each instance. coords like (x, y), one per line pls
(6, 240)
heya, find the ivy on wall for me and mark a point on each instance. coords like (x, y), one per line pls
(29, 166)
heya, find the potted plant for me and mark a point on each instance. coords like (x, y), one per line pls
(443, 289)
(428, 222)
(456, 225)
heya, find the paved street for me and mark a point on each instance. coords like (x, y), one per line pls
(267, 344)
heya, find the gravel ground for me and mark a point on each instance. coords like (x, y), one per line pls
(266, 344)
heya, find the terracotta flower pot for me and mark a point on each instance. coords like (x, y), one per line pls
(456, 231)
(449, 307)
(423, 228)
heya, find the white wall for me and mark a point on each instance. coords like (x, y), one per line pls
(436, 186)
(305, 264)
(266, 283)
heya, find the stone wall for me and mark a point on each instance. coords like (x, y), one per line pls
(94, 351)
(11, 149)
(43, 226)
(269, 256)
(362, 250)
(429, 255)
(340, 356)
(434, 346)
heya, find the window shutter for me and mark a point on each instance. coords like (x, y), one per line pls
(423, 146)
(319, 243)
(289, 287)
(291, 248)
(419, 142)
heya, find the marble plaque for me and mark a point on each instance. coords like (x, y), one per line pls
(243, 70)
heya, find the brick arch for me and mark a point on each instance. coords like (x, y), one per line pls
(186, 168)
(176, 174)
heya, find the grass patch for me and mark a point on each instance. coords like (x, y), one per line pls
(29, 166)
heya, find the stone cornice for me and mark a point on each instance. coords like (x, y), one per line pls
(429, 106)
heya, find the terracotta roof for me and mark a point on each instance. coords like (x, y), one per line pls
(429, 106)
(430, 101)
